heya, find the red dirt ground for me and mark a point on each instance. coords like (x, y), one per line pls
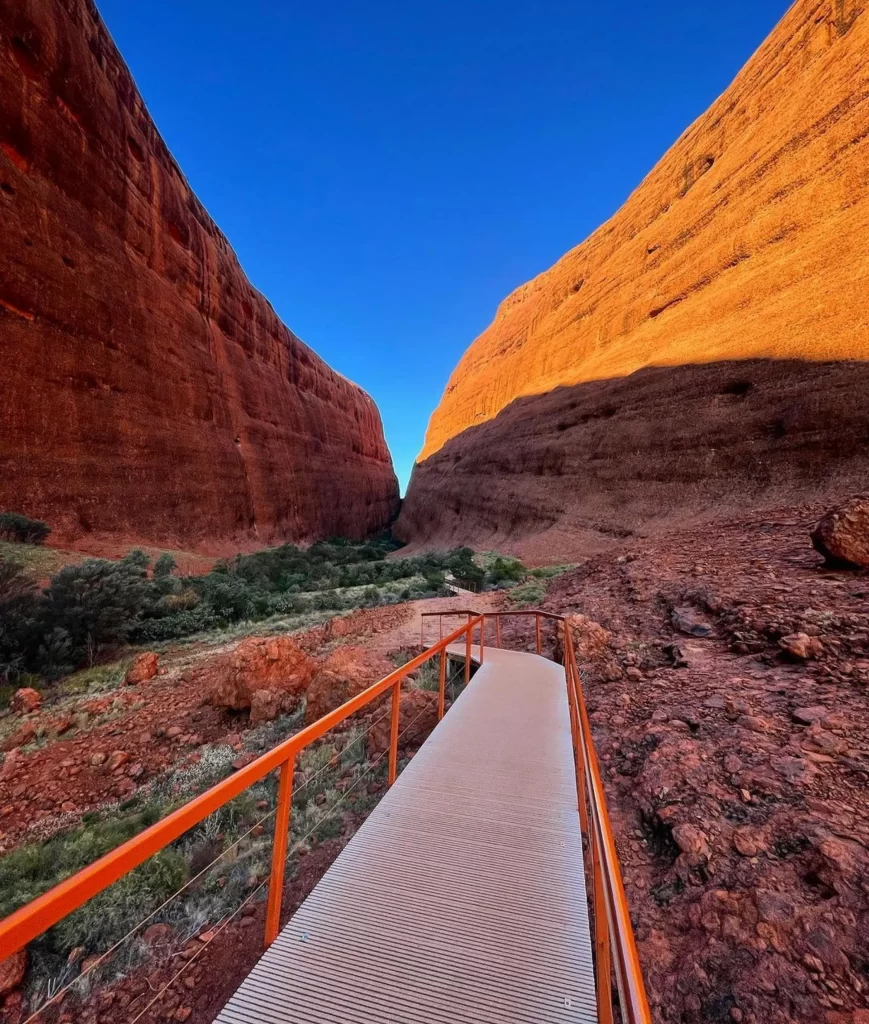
(736, 772)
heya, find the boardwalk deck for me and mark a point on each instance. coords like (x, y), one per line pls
(462, 897)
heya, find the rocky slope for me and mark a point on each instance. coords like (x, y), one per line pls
(728, 708)
(149, 392)
(744, 243)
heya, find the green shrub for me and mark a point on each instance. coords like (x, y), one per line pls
(229, 594)
(96, 603)
(137, 559)
(184, 601)
(56, 655)
(20, 607)
(30, 870)
(527, 594)
(505, 572)
(548, 572)
(175, 626)
(164, 566)
(98, 679)
(107, 917)
(22, 528)
(463, 567)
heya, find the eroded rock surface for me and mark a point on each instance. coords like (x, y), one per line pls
(346, 672)
(149, 391)
(579, 470)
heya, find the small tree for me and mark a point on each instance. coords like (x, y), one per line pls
(505, 571)
(96, 602)
(137, 559)
(22, 528)
(164, 566)
(19, 619)
(227, 594)
(56, 654)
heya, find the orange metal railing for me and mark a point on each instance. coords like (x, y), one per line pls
(465, 613)
(38, 916)
(615, 946)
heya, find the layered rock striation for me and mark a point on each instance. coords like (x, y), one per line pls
(746, 242)
(579, 470)
(147, 391)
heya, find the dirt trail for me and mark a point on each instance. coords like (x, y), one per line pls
(415, 629)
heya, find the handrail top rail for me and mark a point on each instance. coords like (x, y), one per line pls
(494, 614)
(452, 611)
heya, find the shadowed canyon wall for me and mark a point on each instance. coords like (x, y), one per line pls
(577, 470)
(147, 391)
(746, 242)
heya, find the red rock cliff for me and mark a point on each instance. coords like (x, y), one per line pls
(147, 391)
(746, 242)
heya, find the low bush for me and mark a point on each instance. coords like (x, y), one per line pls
(164, 566)
(548, 572)
(22, 528)
(505, 572)
(527, 594)
(175, 626)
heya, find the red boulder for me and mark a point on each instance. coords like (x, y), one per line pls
(25, 700)
(144, 667)
(346, 672)
(417, 716)
(12, 971)
(274, 663)
(842, 536)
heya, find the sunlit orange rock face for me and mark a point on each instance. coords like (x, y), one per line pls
(147, 391)
(748, 241)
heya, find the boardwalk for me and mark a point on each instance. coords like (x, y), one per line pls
(462, 897)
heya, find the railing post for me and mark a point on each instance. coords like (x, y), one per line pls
(393, 732)
(603, 957)
(468, 652)
(441, 624)
(498, 631)
(482, 638)
(279, 850)
(442, 684)
(539, 647)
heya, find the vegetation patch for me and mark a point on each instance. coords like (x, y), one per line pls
(22, 528)
(527, 594)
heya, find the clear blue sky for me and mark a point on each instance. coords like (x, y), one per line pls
(388, 171)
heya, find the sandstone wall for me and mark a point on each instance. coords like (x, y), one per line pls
(746, 241)
(147, 391)
(558, 476)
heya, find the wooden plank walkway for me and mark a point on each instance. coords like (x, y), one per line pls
(462, 897)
